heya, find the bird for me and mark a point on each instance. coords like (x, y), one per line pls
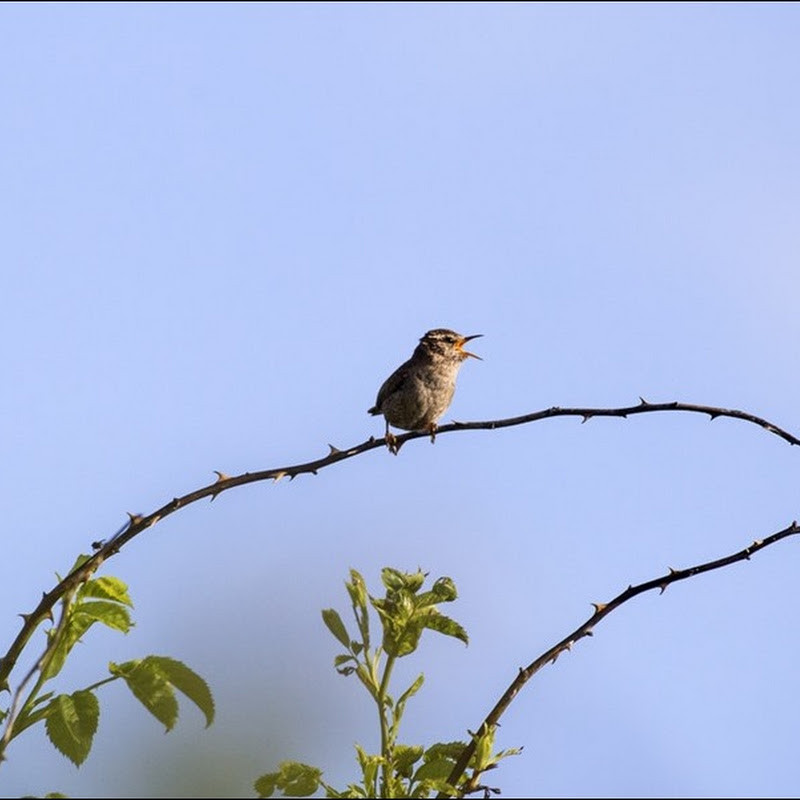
(419, 391)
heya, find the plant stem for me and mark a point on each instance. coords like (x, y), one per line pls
(386, 744)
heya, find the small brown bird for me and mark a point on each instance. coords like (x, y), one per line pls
(417, 393)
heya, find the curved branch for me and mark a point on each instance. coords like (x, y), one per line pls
(602, 610)
(137, 524)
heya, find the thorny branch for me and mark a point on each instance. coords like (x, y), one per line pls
(138, 523)
(602, 610)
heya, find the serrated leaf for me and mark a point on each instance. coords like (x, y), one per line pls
(186, 681)
(266, 784)
(151, 688)
(401, 639)
(451, 750)
(71, 724)
(436, 769)
(443, 624)
(109, 613)
(107, 588)
(293, 778)
(335, 625)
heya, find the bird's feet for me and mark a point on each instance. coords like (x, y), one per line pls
(392, 443)
(432, 428)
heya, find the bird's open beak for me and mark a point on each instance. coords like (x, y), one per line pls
(469, 339)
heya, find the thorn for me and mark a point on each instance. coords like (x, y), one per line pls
(98, 544)
(135, 519)
(757, 543)
(371, 440)
(49, 615)
(598, 607)
(589, 632)
(643, 401)
(663, 587)
(568, 646)
(221, 476)
(712, 415)
(292, 476)
(334, 450)
(586, 418)
(25, 617)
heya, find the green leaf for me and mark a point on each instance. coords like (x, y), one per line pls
(443, 591)
(437, 769)
(451, 750)
(31, 714)
(265, 785)
(74, 628)
(440, 788)
(442, 624)
(335, 625)
(107, 588)
(71, 724)
(395, 580)
(109, 613)
(79, 562)
(293, 779)
(188, 682)
(484, 744)
(151, 688)
(401, 639)
(357, 589)
(392, 579)
(369, 769)
(366, 678)
(410, 692)
(405, 756)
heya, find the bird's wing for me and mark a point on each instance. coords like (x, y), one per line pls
(394, 383)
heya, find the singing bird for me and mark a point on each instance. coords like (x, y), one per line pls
(419, 391)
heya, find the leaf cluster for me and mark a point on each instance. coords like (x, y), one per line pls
(398, 770)
(71, 720)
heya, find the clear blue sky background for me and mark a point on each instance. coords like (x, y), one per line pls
(222, 226)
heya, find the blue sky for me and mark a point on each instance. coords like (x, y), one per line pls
(223, 225)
